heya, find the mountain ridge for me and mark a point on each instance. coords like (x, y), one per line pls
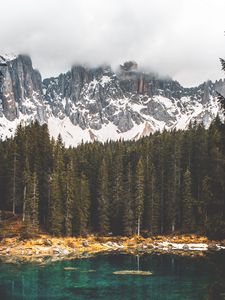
(87, 104)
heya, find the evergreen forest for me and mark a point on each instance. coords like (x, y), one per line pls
(169, 182)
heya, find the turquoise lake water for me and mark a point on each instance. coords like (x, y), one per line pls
(173, 278)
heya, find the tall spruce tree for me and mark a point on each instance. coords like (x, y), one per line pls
(82, 207)
(31, 204)
(128, 215)
(26, 178)
(103, 199)
(14, 182)
(70, 198)
(207, 197)
(155, 224)
(187, 215)
(139, 194)
(116, 206)
(56, 211)
(56, 190)
(174, 186)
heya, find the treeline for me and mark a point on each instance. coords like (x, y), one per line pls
(167, 182)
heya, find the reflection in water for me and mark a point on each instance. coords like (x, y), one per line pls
(173, 278)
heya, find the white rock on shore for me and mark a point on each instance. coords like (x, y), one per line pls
(183, 246)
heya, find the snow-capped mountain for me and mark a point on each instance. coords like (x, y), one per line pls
(100, 104)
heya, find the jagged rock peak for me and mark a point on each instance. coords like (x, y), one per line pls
(129, 66)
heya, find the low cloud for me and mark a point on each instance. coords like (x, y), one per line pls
(180, 38)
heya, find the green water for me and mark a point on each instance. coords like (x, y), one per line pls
(173, 278)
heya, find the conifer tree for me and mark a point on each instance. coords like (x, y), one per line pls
(56, 213)
(187, 216)
(128, 215)
(155, 203)
(69, 183)
(103, 199)
(139, 194)
(207, 196)
(14, 182)
(56, 191)
(116, 206)
(44, 168)
(82, 207)
(26, 178)
(31, 204)
(174, 185)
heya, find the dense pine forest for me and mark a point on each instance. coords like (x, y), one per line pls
(167, 182)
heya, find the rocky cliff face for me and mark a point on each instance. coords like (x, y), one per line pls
(20, 89)
(99, 104)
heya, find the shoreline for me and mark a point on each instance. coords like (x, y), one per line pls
(47, 248)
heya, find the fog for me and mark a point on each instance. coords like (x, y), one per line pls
(182, 39)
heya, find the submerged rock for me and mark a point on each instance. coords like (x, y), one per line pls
(133, 272)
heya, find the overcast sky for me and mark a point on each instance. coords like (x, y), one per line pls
(180, 38)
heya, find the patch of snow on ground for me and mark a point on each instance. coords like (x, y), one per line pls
(8, 128)
(163, 100)
(72, 135)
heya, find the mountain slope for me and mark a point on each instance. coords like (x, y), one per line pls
(100, 104)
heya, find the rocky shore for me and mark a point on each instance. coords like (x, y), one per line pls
(45, 248)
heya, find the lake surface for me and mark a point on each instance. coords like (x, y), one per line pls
(173, 278)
